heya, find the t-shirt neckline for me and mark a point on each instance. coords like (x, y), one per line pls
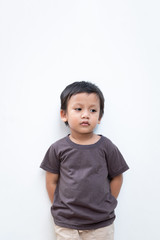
(79, 146)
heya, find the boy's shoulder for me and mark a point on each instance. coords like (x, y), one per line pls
(106, 139)
(59, 142)
(108, 145)
(108, 142)
(58, 146)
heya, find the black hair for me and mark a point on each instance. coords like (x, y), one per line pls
(81, 87)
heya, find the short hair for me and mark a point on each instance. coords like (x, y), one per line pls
(81, 87)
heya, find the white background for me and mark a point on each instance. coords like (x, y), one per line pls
(45, 45)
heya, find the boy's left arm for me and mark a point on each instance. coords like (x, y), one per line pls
(116, 184)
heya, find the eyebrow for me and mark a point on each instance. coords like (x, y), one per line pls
(94, 105)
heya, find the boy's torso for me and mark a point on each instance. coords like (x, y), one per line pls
(83, 193)
(82, 198)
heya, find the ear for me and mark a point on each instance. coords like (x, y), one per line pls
(63, 115)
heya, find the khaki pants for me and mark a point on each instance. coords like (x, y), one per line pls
(105, 233)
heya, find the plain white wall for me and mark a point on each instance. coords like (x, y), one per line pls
(46, 45)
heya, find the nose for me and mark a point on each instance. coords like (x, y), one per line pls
(85, 114)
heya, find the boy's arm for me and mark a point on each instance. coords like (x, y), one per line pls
(115, 185)
(51, 183)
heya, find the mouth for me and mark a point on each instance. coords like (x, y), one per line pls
(85, 123)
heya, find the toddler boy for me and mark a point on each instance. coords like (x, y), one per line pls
(83, 170)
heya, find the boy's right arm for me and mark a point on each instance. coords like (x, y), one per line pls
(51, 183)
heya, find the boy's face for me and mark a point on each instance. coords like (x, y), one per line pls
(83, 111)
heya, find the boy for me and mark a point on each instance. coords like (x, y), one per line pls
(83, 170)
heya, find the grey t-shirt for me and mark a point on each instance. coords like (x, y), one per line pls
(83, 198)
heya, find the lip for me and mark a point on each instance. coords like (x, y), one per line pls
(85, 123)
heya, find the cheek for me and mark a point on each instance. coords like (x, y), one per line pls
(96, 116)
(72, 118)
(96, 120)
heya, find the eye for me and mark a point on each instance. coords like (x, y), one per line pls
(78, 109)
(92, 110)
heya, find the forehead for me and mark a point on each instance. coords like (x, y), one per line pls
(84, 98)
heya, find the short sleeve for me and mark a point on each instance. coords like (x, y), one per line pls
(116, 163)
(51, 163)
